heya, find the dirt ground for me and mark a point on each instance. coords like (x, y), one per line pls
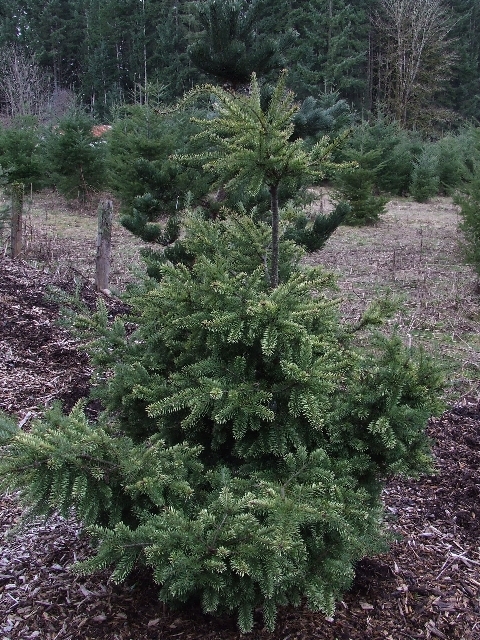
(426, 586)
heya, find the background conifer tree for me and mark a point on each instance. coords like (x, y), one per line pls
(142, 173)
(356, 186)
(425, 176)
(75, 158)
(468, 198)
(21, 153)
(230, 46)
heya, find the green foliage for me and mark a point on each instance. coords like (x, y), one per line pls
(321, 116)
(251, 146)
(453, 154)
(142, 173)
(313, 236)
(425, 179)
(355, 185)
(5, 210)
(109, 51)
(464, 89)
(229, 45)
(21, 153)
(244, 438)
(469, 201)
(392, 152)
(142, 221)
(329, 52)
(246, 231)
(8, 428)
(5, 216)
(76, 159)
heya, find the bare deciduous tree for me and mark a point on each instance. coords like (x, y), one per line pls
(414, 55)
(24, 88)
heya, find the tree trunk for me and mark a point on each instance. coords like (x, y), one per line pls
(104, 242)
(17, 212)
(275, 225)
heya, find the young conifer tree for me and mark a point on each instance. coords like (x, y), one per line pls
(245, 437)
(468, 199)
(75, 158)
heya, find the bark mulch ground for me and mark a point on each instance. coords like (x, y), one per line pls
(427, 586)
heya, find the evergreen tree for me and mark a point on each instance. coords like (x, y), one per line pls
(463, 90)
(5, 217)
(356, 187)
(453, 153)
(244, 440)
(468, 198)
(313, 235)
(330, 51)
(150, 183)
(325, 115)
(230, 46)
(425, 176)
(7, 425)
(114, 64)
(133, 47)
(54, 31)
(8, 22)
(76, 159)
(390, 152)
(356, 184)
(117, 50)
(169, 62)
(21, 153)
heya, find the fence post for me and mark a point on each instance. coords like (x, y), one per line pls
(17, 213)
(104, 243)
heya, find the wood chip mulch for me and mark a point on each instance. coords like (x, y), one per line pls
(426, 586)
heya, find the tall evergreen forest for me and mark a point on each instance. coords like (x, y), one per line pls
(113, 52)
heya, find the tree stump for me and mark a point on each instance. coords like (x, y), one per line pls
(17, 215)
(104, 244)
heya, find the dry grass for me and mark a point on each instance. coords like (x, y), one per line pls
(412, 254)
(62, 237)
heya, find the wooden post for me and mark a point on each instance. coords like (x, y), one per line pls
(17, 212)
(104, 243)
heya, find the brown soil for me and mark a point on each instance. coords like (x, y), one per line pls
(427, 586)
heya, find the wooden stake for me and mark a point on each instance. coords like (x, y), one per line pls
(17, 213)
(104, 244)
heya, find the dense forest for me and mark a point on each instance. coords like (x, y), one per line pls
(416, 60)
